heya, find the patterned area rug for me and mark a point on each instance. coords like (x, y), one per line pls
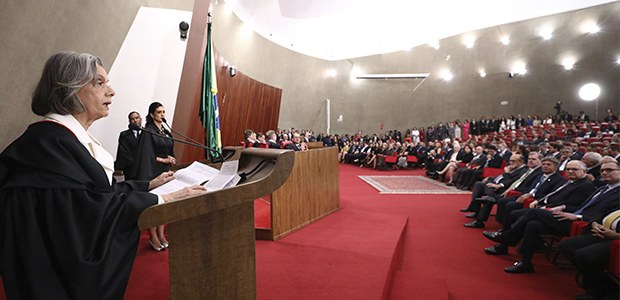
(409, 185)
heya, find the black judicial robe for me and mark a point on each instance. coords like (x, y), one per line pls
(65, 232)
(150, 146)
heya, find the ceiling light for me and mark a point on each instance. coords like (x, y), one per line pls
(469, 42)
(446, 75)
(518, 68)
(618, 61)
(331, 73)
(505, 40)
(546, 33)
(568, 63)
(483, 74)
(434, 44)
(589, 91)
(590, 27)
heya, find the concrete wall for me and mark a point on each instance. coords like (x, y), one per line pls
(32, 30)
(366, 104)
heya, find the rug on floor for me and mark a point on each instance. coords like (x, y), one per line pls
(409, 185)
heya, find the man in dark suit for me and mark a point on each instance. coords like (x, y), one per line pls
(463, 174)
(593, 162)
(296, 144)
(558, 220)
(521, 185)
(504, 152)
(272, 140)
(493, 161)
(127, 144)
(491, 187)
(548, 182)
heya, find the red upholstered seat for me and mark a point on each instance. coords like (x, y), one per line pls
(527, 202)
(488, 172)
(263, 145)
(391, 159)
(577, 227)
(412, 159)
(513, 193)
(286, 143)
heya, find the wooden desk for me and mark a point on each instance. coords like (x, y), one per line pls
(311, 192)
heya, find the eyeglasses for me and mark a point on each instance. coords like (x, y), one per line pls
(608, 170)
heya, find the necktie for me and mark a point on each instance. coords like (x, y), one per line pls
(540, 182)
(592, 200)
(516, 184)
(543, 201)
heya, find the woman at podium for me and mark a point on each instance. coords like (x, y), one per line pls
(67, 230)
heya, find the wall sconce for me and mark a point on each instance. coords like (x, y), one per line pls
(232, 71)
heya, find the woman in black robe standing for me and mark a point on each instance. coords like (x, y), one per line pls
(155, 155)
(67, 229)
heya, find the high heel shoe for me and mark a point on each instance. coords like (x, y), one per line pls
(161, 247)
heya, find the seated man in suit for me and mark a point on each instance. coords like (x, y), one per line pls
(296, 144)
(492, 187)
(521, 185)
(272, 140)
(556, 220)
(593, 162)
(462, 175)
(548, 182)
(493, 161)
(127, 144)
(590, 254)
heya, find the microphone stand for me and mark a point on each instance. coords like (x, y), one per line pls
(186, 137)
(221, 158)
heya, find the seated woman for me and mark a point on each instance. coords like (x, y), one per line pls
(465, 156)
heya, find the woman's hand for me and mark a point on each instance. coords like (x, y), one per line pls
(184, 193)
(167, 161)
(161, 179)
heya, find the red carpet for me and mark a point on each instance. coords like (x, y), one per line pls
(380, 246)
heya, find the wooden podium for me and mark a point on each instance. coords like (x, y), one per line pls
(311, 192)
(212, 250)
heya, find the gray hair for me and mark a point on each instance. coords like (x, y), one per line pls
(64, 74)
(593, 156)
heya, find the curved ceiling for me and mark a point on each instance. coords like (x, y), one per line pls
(343, 29)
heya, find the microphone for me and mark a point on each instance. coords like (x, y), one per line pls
(137, 127)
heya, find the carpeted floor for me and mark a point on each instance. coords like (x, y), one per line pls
(380, 246)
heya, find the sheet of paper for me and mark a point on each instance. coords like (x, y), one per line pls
(226, 178)
(194, 174)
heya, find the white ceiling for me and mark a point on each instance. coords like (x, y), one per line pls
(343, 29)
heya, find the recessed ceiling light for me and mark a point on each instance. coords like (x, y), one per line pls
(590, 27)
(469, 42)
(434, 44)
(546, 33)
(568, 63)
(505, 40)
(483, 74)
(331, 73)
(446, 75)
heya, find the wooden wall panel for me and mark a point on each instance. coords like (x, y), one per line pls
(243, 102)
